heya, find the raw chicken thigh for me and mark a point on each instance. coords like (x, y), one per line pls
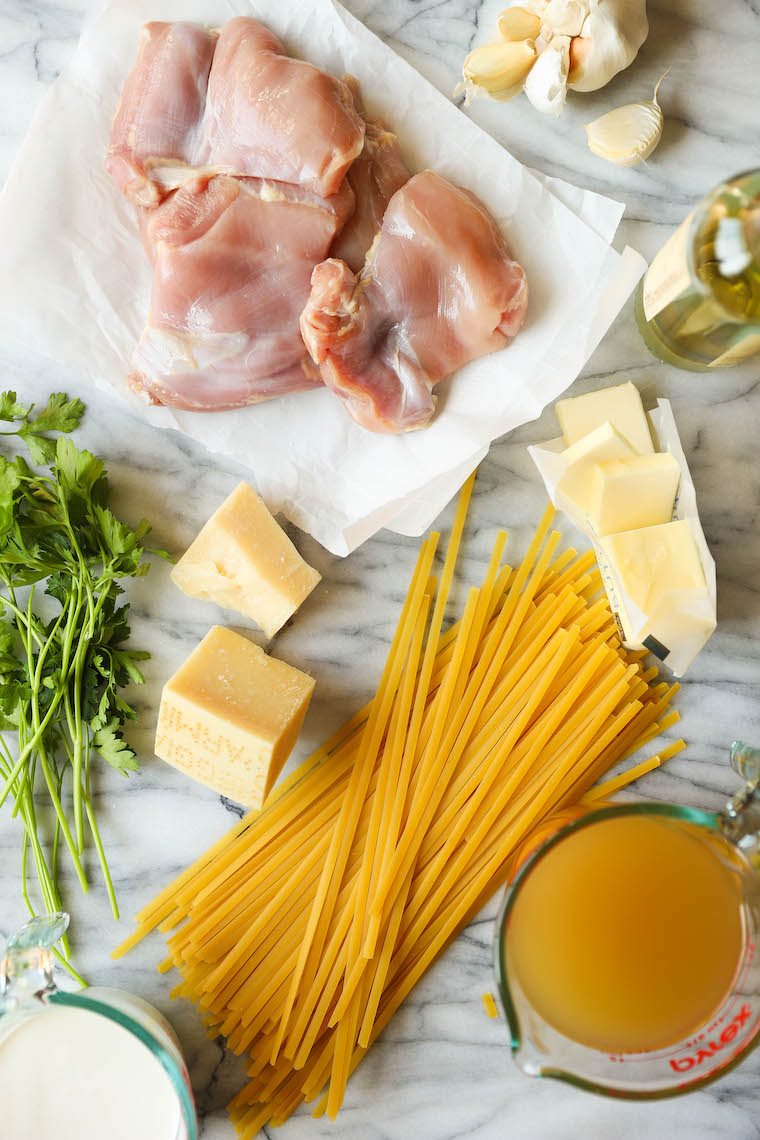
(374, 177)
(232, 259)
(250, 110)
(248, 170)
(439, 288)
(157, 126)
(270, 116)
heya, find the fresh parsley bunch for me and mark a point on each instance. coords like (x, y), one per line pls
(61, 675)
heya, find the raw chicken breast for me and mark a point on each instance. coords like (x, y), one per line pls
(250, 111)
(158, 122)
(232, 260)
(374, 177)
(439, 288)
(270, 116)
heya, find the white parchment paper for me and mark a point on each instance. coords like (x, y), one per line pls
(76, 282)
(691, 614)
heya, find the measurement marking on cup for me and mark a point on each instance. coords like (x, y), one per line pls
(684, 1064)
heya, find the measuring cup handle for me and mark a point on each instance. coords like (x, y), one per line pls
(26, 971)
(740, 819)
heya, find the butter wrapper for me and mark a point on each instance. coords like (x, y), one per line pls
(684, 619)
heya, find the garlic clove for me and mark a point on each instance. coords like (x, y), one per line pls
(546, 84)
(497, 69)
(517, 23)
(615, 30)
(628, 134)
(580, 52)
(566, 17)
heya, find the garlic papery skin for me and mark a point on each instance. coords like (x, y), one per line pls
(615, 29)
(497, 69)
(628, 134)
(517, 23)
(546, 84)
(566, 17)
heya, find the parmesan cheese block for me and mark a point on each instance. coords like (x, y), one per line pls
(621, 406)
(244, 561)
(230, 716)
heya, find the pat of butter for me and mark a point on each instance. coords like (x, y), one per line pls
(628, 494)
(574, 488)
(650, 564)
(621, 406)
(244, 561)
(229, 716)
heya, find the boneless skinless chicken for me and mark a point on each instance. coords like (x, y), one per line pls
(438, 289)
(232, 258)
(230, 102)
(248, 169)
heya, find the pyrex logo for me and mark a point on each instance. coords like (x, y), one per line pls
(683, 1064)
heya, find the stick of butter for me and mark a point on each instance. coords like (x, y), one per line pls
(229, 716)
(574, 488)
(244, 561)
(627, 494)
(621, 406)
(652, 565)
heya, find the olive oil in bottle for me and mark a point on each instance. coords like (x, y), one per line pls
(698, 306)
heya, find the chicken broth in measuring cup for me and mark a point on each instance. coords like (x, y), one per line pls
(627, 935)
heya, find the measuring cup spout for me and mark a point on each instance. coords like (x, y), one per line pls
(740, 819)
(26, 971)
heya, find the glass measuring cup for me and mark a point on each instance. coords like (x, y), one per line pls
(540, 1050)
(28, 991)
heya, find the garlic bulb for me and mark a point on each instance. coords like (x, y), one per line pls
(579, 44)
(609, 41)
(546, 84)
(497, 69)
(628, 134)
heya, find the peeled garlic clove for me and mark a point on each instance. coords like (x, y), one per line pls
(498, 69)
(546, 84)
(517, 23)
(565, 17)
(615, 29)
(628, 134)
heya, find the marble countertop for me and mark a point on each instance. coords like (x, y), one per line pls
(442, 1069)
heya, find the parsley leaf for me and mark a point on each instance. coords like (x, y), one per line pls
(114, 749)
(61, 414)
(10, 481)
(10, 410)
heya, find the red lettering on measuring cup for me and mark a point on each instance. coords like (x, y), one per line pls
(683, 1064)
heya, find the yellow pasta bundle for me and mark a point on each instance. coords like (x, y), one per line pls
(300, 933)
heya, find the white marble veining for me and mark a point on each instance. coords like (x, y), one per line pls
(441, 1070)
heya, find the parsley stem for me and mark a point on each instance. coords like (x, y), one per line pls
(51, 895)
(35, 671)
(69, 968)
(60, 816)
(77, 735)
(102, 857)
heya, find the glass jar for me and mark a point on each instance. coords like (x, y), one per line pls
(698, 306)
(77, 1062)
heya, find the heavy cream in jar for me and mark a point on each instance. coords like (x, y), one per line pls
(72, 1074)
